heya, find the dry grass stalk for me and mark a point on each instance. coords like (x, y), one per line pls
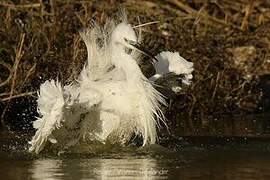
(29, 73)
(18, 96)
(216, 86)
(248, 11)
(9, 76)
(19, 54)
(194, 13)
(13, 6)
(13, 75)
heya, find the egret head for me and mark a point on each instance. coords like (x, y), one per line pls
(124, 35)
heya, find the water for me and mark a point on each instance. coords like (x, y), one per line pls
(182, 161)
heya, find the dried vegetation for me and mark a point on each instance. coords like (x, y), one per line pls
(39, 40)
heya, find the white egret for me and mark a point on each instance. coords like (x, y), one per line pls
(111, 99)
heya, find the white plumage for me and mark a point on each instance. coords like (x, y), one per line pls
(169, 62)
(111, 99)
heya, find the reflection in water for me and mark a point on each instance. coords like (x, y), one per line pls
(130, 168)
(46, 169)
(194, 164)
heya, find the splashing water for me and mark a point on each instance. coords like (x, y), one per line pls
(112, 101)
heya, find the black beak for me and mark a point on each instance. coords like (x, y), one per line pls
(140, 48)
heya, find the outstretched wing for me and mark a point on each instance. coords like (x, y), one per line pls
(50, 107)
(60, 106)
(172, 63)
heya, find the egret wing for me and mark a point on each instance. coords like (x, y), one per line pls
(171, 62)
(50, 107)
(59, 106)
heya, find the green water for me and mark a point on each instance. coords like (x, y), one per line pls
(187, 161)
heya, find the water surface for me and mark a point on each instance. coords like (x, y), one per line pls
(155, 162)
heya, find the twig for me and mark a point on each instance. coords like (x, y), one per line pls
(240, 87)
(146, 24)
(7, 18)
(18, 57)
(80, 19)
(42, 8)
(29, 73)
(182, 6)
(52, 8)
(3, 124)
(244, 25)
(17, 96)
(13, 6)
(216, 85)
(9, 76)
(83, 19)
(176, 11)
(194, 100)
(8, 99)
(4, 94)
(194, 13)
(35, 37)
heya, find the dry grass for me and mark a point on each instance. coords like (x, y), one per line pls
(39, 40)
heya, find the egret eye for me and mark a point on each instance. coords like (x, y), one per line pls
(128, 50)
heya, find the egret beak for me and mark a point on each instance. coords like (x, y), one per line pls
(140, 48)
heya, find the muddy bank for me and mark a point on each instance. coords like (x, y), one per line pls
(228, 42)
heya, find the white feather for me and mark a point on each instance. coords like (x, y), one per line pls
(112, 98)
(50, 107)
(172, 62)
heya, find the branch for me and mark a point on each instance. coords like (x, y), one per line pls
(194, 13)
(17, 96)
(13, 6)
